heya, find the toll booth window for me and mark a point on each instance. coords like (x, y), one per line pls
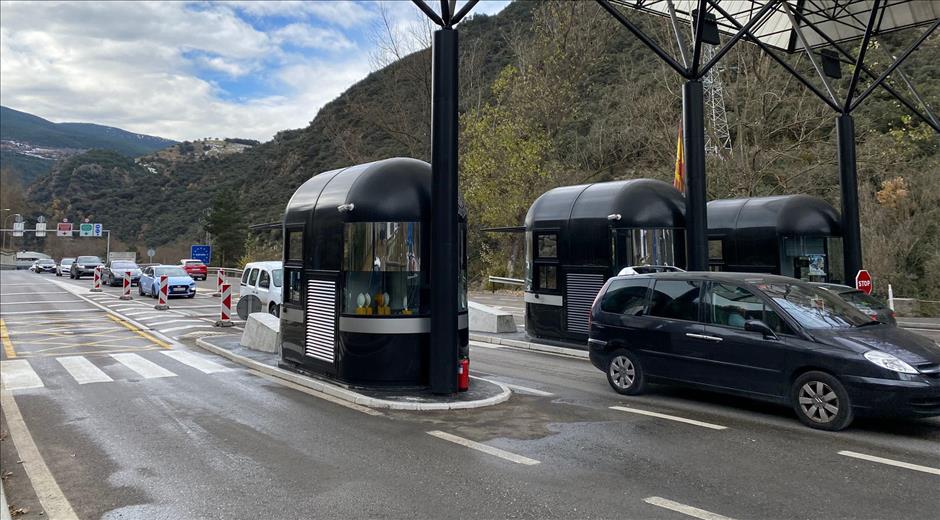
(462, 273)
(295, 243)
(715, 250)
(294, 289)
(547, 245)
(382, 264)
(626, 297)
(529, 253)
(547, 277)
(676, 299)
(653, 247)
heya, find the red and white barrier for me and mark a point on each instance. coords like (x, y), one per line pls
(97, 280)
(126, 295)
(225, 306)
(219, 281)
(163, 293)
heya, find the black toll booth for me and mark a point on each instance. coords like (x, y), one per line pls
(579, 236)
(792, 235)
(356, 284)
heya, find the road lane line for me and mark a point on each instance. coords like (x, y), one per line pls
(890, 462)
(670, 417)
(527, 390)
(174, 329)
(684, 509)
(41, 301)
(54, 503)
(195, 361)
(146, 369)
(82, 370)
(5, 339)
(503, 454)
(71, 311)
(139, 332)
(18, 374)
(27, 284)
(167, 322)
(32, 293)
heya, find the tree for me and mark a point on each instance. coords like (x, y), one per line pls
(225, 224)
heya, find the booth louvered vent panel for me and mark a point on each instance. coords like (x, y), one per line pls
(581, 290)
(320, 319)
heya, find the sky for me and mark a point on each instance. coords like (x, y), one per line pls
(189, 70)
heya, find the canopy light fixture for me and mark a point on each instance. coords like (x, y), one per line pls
(831, 65)
(346, 208)
(614, 216)
(710, 29)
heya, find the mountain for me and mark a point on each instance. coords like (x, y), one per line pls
(552, 93)
(30, 144)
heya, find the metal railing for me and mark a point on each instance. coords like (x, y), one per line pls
(506, 281)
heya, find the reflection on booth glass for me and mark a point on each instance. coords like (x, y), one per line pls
(382, 261)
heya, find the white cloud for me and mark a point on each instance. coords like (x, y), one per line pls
(186, 70)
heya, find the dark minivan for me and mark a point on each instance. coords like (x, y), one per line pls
(762, 336)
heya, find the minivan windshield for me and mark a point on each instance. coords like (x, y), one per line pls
(812, 307)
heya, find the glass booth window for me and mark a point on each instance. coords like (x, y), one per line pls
(653, 247)
(547, 245)
(293, 290)
(295, 242)
(547, 277)
(382, 261)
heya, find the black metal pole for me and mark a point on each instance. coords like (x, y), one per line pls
(444, 275)
(693, 132)
(851, 231)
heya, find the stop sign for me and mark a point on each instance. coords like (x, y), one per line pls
(863, 282)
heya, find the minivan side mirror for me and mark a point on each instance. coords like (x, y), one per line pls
(760, 326)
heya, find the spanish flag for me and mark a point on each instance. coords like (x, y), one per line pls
(678, 180)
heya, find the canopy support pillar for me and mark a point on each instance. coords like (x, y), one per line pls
(693, 132)
(848, 177)
(444, 262)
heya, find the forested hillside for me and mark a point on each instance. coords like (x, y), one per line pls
(556, 93)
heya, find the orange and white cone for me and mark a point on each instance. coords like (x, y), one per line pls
(225, 307)
(163, 293)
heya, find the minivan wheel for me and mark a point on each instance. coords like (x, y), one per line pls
(820, 401)
(274, 309)
(625, 374)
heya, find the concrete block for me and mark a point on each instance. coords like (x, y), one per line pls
(484, 318)
(262, 333)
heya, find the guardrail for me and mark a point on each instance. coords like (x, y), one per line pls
(506, 281)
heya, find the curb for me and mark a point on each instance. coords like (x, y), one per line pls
(4, 508)
(535, 347)
(922, 326)
(349, 395)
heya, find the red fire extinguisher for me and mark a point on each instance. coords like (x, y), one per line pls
(463, 375)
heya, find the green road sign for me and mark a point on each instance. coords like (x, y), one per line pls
(86, 230)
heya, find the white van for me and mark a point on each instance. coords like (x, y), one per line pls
(264, 280)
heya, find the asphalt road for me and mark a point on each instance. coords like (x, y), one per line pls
(132, 424)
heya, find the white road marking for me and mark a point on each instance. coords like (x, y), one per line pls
(27, 284)
(41, 301)
(31, 293)
(53, 501)
(151, 313)
(198, 362)
(167, 322)
(126, 307)
(174, 329)
(146, 369)
(890, 462)
(684, 509)
(492, 346)
(527, 390)
(184, 307)
(503, 454)
(72, 311)
(82, 370)
(18, 374)
(670, 417)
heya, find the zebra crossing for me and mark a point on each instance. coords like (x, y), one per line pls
(182, 319)
(20, 374)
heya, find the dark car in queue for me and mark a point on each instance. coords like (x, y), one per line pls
(43, 265)
(112, 273)
(178, 282)
(84, 266)
(867, 304)
(761, 336)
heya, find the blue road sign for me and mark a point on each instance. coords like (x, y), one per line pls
(203, 253)
(98, 229)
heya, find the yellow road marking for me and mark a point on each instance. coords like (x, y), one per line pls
(5, 338)
(141, 333)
